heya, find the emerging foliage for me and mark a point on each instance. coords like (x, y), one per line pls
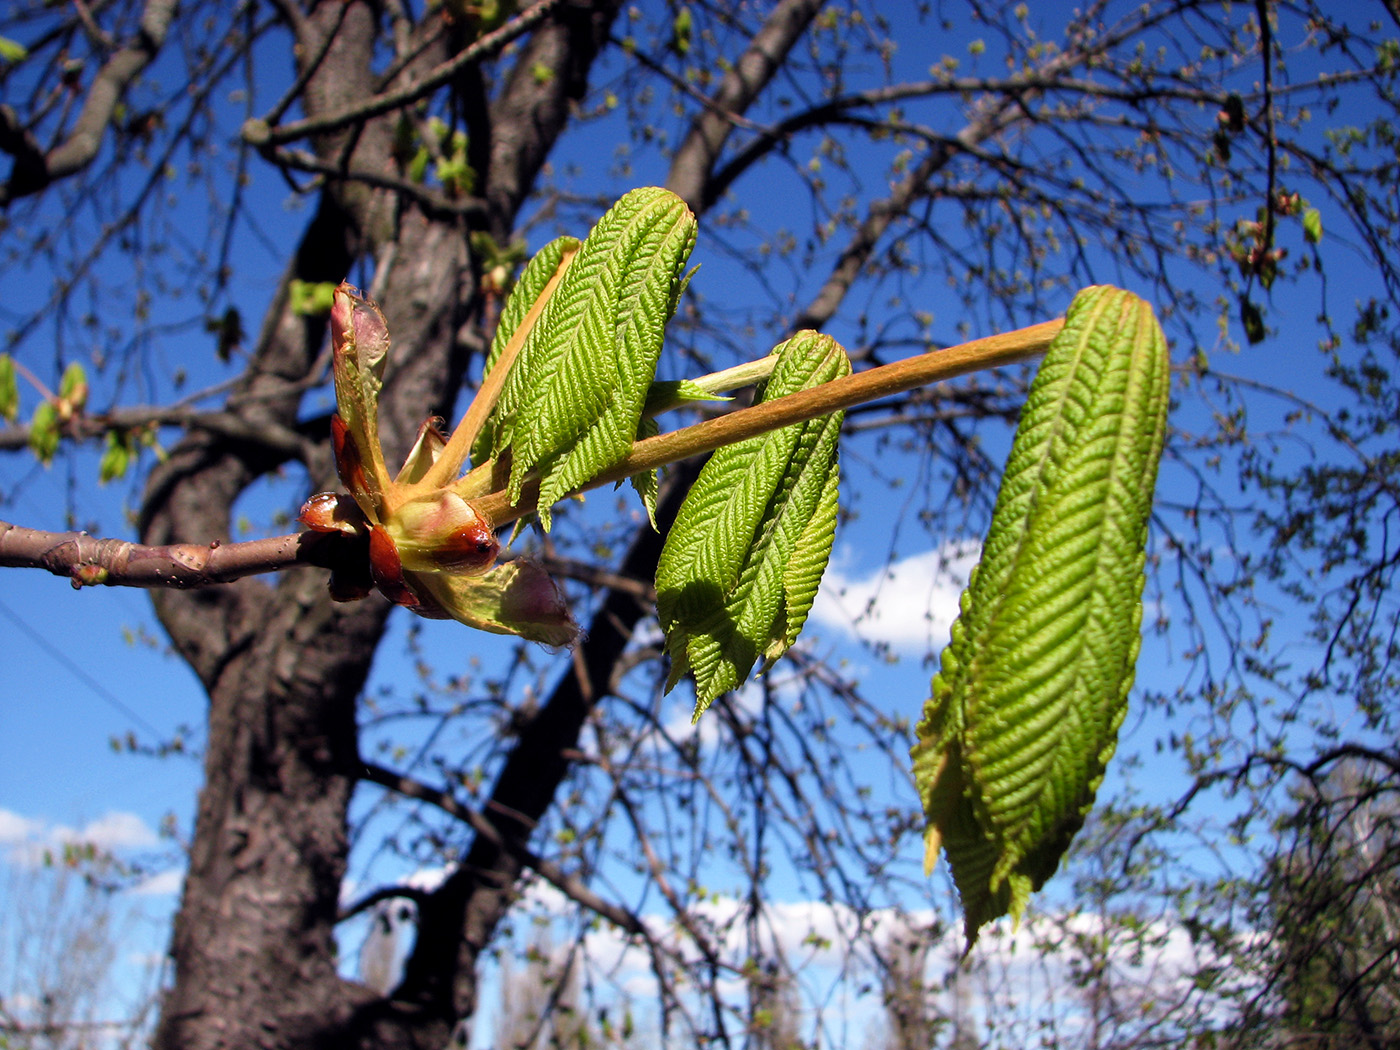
(743, 560)
(573, 401)
(1025, 711)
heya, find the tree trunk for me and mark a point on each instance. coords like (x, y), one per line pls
(282, 665)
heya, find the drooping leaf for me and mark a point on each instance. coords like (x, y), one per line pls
(1025, 711)
(12, 51)
(1252, 317)
(9, 389)
(743, 560)
(574, 397)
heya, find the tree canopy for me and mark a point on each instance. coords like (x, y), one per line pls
(189, 183)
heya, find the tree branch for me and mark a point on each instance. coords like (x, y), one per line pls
(569, 885)
(33, 168)
(260, 134)
(89, 561)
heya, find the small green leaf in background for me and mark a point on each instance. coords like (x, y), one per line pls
(1312, 225)
(117, 454)
(43, 432)
(72, 389)
(1025, 710)
(12, 51)
(311, 298)
(573, 401)
(9, 389)
(743, 560)
(1253, 320)
(228, 332)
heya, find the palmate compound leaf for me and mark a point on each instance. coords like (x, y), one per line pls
(741, 564)
(573, 402)
(1033, 687)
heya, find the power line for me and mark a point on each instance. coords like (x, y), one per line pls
(99, 690)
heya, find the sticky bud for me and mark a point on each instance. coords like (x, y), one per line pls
(442, 532)
(358, 326)
(332, 512)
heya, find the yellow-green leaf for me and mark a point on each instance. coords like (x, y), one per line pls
(743, 560)
(9, 389)
(574, 397)
(1033, 686)
(43, 432)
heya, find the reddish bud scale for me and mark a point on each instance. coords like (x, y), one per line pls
(333, 512)
(387, 570)
(347, 458)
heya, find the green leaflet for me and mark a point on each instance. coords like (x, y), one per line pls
(1033, 687)
(528, 288)
(573, 402)
(742, 562)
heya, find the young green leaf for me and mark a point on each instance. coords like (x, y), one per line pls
(117, 454)
(72, 391)
(1312, 225)
(742, 562)
(43, 432)
(9, 389)
(574, 398)
(528, 288)
(1033, 687)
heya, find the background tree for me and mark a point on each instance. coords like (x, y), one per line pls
(855, 161)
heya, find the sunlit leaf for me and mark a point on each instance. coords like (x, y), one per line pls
(1312, 225)
(9, 389)
(743, 560)
(538, 272)
(574, 397)
(1033, 687)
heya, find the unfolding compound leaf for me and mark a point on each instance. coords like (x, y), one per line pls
(360, 340)
(742, 562)
(574, 397)
(517, 597)
(1033, 687)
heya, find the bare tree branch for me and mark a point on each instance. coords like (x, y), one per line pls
(34, 169)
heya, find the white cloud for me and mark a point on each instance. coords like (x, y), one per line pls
(829, 945)
(117, 830)
(15, 829)
(162, 884)
(909, 604)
